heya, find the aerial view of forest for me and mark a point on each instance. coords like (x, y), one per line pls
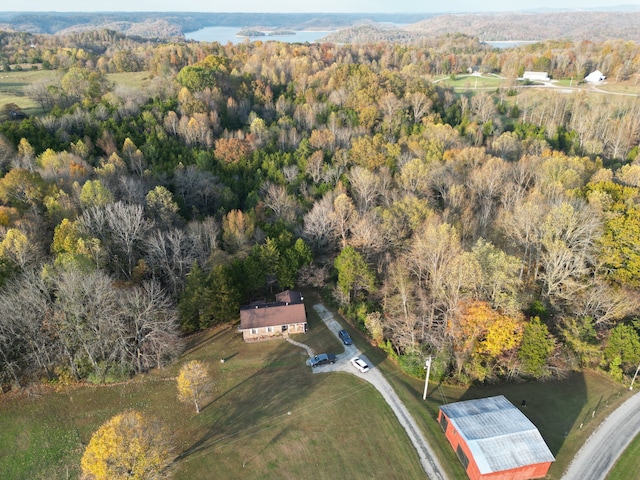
(441, 201)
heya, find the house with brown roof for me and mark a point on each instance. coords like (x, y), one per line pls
(265, 321)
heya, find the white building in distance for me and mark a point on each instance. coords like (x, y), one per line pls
(536, 76)
(595, 77)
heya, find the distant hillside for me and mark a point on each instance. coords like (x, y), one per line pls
(577, 25)
(162, 25)
(352, 28)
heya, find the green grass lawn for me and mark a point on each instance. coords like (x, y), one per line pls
(628, 465)
(135, 80)
(13, 84)
(472, 82)
(628, 88)
(269, 416)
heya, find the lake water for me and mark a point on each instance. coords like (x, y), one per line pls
(510, 44)
(224, 35)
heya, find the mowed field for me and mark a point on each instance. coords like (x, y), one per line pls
(270, 417)
(13, 85)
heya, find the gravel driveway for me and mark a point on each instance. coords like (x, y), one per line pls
(601, 450)
(373, 376)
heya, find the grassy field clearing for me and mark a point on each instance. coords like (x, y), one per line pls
(471, 82)
(135, 80)
(13, 85)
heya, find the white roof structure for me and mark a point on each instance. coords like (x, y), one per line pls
(536, 76)
(595, 77)
(498, 435)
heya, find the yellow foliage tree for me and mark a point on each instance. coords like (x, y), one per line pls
(481, 335)
(129, 446)
(193, 382)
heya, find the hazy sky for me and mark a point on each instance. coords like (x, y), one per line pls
(384, 6)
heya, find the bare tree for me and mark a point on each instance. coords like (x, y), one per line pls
(344, 217)
(319, 224)
(170, 254)
(205, 236)
(420, 105)
(567, 238)
(27, 343)
(365, 186)
(87, 323)
(151, 325)
(283, 205)
(122, 229)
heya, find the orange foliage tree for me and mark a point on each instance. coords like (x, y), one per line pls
(481, 338)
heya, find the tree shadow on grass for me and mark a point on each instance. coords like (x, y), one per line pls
(554, 407)
(195, 342)
(276, 438)
(256, 403)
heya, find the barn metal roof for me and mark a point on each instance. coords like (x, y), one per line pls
(499, 436)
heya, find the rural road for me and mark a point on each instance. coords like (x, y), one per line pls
(596, 457)
(427, 457)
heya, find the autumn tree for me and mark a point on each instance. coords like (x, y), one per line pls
(194, 382)
(479, 336)
(128, 446)
(237, 229)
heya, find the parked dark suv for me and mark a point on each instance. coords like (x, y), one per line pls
(321, 359)
(344, 336)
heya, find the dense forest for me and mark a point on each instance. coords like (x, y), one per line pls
(495, 230)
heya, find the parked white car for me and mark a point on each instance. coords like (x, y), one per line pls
(360, 364)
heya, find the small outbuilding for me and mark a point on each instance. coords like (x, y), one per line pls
(595, 77)
(495, 440)
(266, 321)
(536, 76)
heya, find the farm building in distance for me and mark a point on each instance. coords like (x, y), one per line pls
(595, 77)
(495, 440)
(264, 321)
(536, 76)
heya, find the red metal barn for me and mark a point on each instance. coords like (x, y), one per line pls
(494, 440)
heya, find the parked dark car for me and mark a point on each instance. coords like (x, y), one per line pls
(344, 336)
(321, 359)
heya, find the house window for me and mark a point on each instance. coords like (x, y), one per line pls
(269, 329)
(254, 331)
(284, 328)
(463, 457)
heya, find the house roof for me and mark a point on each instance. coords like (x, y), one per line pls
(287, 310)
(499, 436)
(271, 315)
(289, 296)
(595, 76)
(530, 74)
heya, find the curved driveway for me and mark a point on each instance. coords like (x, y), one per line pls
(373, 376)
(601, 450)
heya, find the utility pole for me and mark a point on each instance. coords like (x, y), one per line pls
(634, 377)
(427, 366)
